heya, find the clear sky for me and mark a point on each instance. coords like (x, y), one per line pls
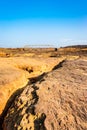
(43, 22)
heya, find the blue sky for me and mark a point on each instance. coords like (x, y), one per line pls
(43, 22)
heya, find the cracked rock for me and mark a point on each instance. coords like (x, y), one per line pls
(59, 102)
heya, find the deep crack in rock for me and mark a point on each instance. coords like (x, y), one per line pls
(58, 65)
(8, 105)
(52, 101)
(23, 110)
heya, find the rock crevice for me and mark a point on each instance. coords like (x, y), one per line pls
(22, 108)
(52, 101)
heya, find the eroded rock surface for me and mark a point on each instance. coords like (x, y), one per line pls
(16, 71)
(58, 101)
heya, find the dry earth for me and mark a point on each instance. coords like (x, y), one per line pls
(44, 92)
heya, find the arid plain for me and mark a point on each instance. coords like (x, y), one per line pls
(43, 88)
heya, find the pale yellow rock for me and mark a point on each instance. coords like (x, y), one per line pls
(15, 72)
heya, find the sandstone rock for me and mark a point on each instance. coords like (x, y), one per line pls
(58, 101)
(16, 71)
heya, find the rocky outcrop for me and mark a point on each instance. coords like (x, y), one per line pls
(16, 71)
(55, 101)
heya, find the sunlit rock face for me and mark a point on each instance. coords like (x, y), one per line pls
(57, 101)
(16, 71)
(43, 89)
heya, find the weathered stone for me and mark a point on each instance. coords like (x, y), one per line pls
(59, 103)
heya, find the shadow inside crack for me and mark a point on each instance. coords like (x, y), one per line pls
(33, 80)
(39, 123)
(8, 104)
(59, 65)
(39, 78)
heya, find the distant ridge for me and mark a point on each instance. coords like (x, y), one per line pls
(76, 46)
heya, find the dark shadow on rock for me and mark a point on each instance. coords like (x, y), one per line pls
(38, 78)
(8, 104)
(39, 123)
(59, 65)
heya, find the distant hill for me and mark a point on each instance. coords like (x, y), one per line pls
(76, 46)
